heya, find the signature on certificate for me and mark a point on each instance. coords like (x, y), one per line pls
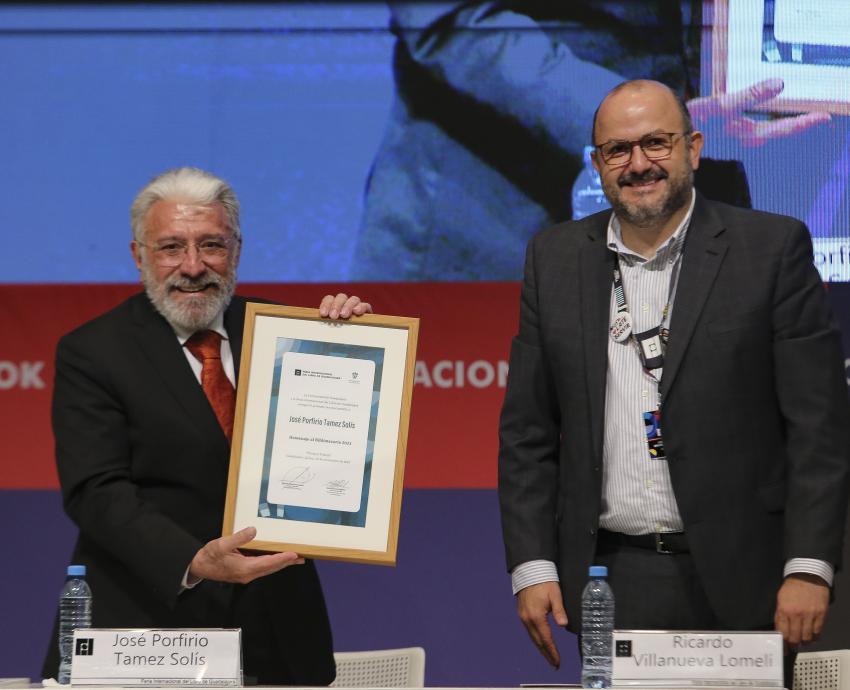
(337, 487)
(296, 477)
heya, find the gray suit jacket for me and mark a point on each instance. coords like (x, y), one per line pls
(755, 416)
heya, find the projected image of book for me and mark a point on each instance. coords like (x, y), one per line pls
(804, 43)
(806, 33)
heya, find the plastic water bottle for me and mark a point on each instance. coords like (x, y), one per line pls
(74, 612)
(597, 626)
(588, 197)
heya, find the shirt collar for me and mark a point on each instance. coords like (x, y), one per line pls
(217, 325)
(667, 252)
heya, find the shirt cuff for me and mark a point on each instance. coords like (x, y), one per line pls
(533, 573)
(812, 566)
(184, 585)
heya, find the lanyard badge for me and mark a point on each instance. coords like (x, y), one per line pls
(651, 348)
(650, 344)
(621, 327)
(654, 442)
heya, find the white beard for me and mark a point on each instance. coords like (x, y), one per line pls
(195, 314)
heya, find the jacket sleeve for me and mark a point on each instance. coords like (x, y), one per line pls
(529, 440)
(812, 394)
(500, 57)
(93, 457)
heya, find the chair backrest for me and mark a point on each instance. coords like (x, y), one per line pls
(822, 670)
(380, 668)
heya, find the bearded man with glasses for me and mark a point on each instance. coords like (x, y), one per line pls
(142, 416)
(676, 407)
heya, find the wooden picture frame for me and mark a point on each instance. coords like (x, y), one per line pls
(740, 44)
(320, 433)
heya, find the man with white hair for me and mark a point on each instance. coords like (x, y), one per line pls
(143, 415)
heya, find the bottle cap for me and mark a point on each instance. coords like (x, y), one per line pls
(598, 571)
(77, 570)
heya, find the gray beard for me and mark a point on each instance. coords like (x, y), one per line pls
(646, 217)
(199, 314)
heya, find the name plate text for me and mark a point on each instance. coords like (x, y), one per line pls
(204, 657)
(649, 657)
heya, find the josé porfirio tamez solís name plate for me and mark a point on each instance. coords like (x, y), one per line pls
(663, 658)
(320, 432)
(208, 657)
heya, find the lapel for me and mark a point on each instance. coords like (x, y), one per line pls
(705, 248)
(596, 265)
(234, 323)
(158, 344)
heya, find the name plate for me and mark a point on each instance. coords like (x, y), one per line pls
(157, 657)
(662, 658)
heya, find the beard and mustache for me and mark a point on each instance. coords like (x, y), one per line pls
(644, 213)
(199, 312)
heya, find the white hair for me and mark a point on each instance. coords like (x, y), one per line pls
(189, 185)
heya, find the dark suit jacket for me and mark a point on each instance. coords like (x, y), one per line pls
(755, 415)
(143, 465)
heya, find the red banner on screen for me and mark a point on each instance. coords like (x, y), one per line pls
(464, 341)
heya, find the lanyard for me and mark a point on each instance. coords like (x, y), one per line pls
(650, 344)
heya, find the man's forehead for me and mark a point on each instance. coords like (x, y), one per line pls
(167, 211)
(631, 113)
(189, 209)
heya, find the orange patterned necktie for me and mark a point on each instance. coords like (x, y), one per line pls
(206, 347)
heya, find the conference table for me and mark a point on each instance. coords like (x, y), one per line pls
(25, 684)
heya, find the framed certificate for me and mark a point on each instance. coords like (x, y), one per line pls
(804, 43)
(320, 433)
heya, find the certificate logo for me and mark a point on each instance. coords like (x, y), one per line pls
(298, 372)
(624, 648)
